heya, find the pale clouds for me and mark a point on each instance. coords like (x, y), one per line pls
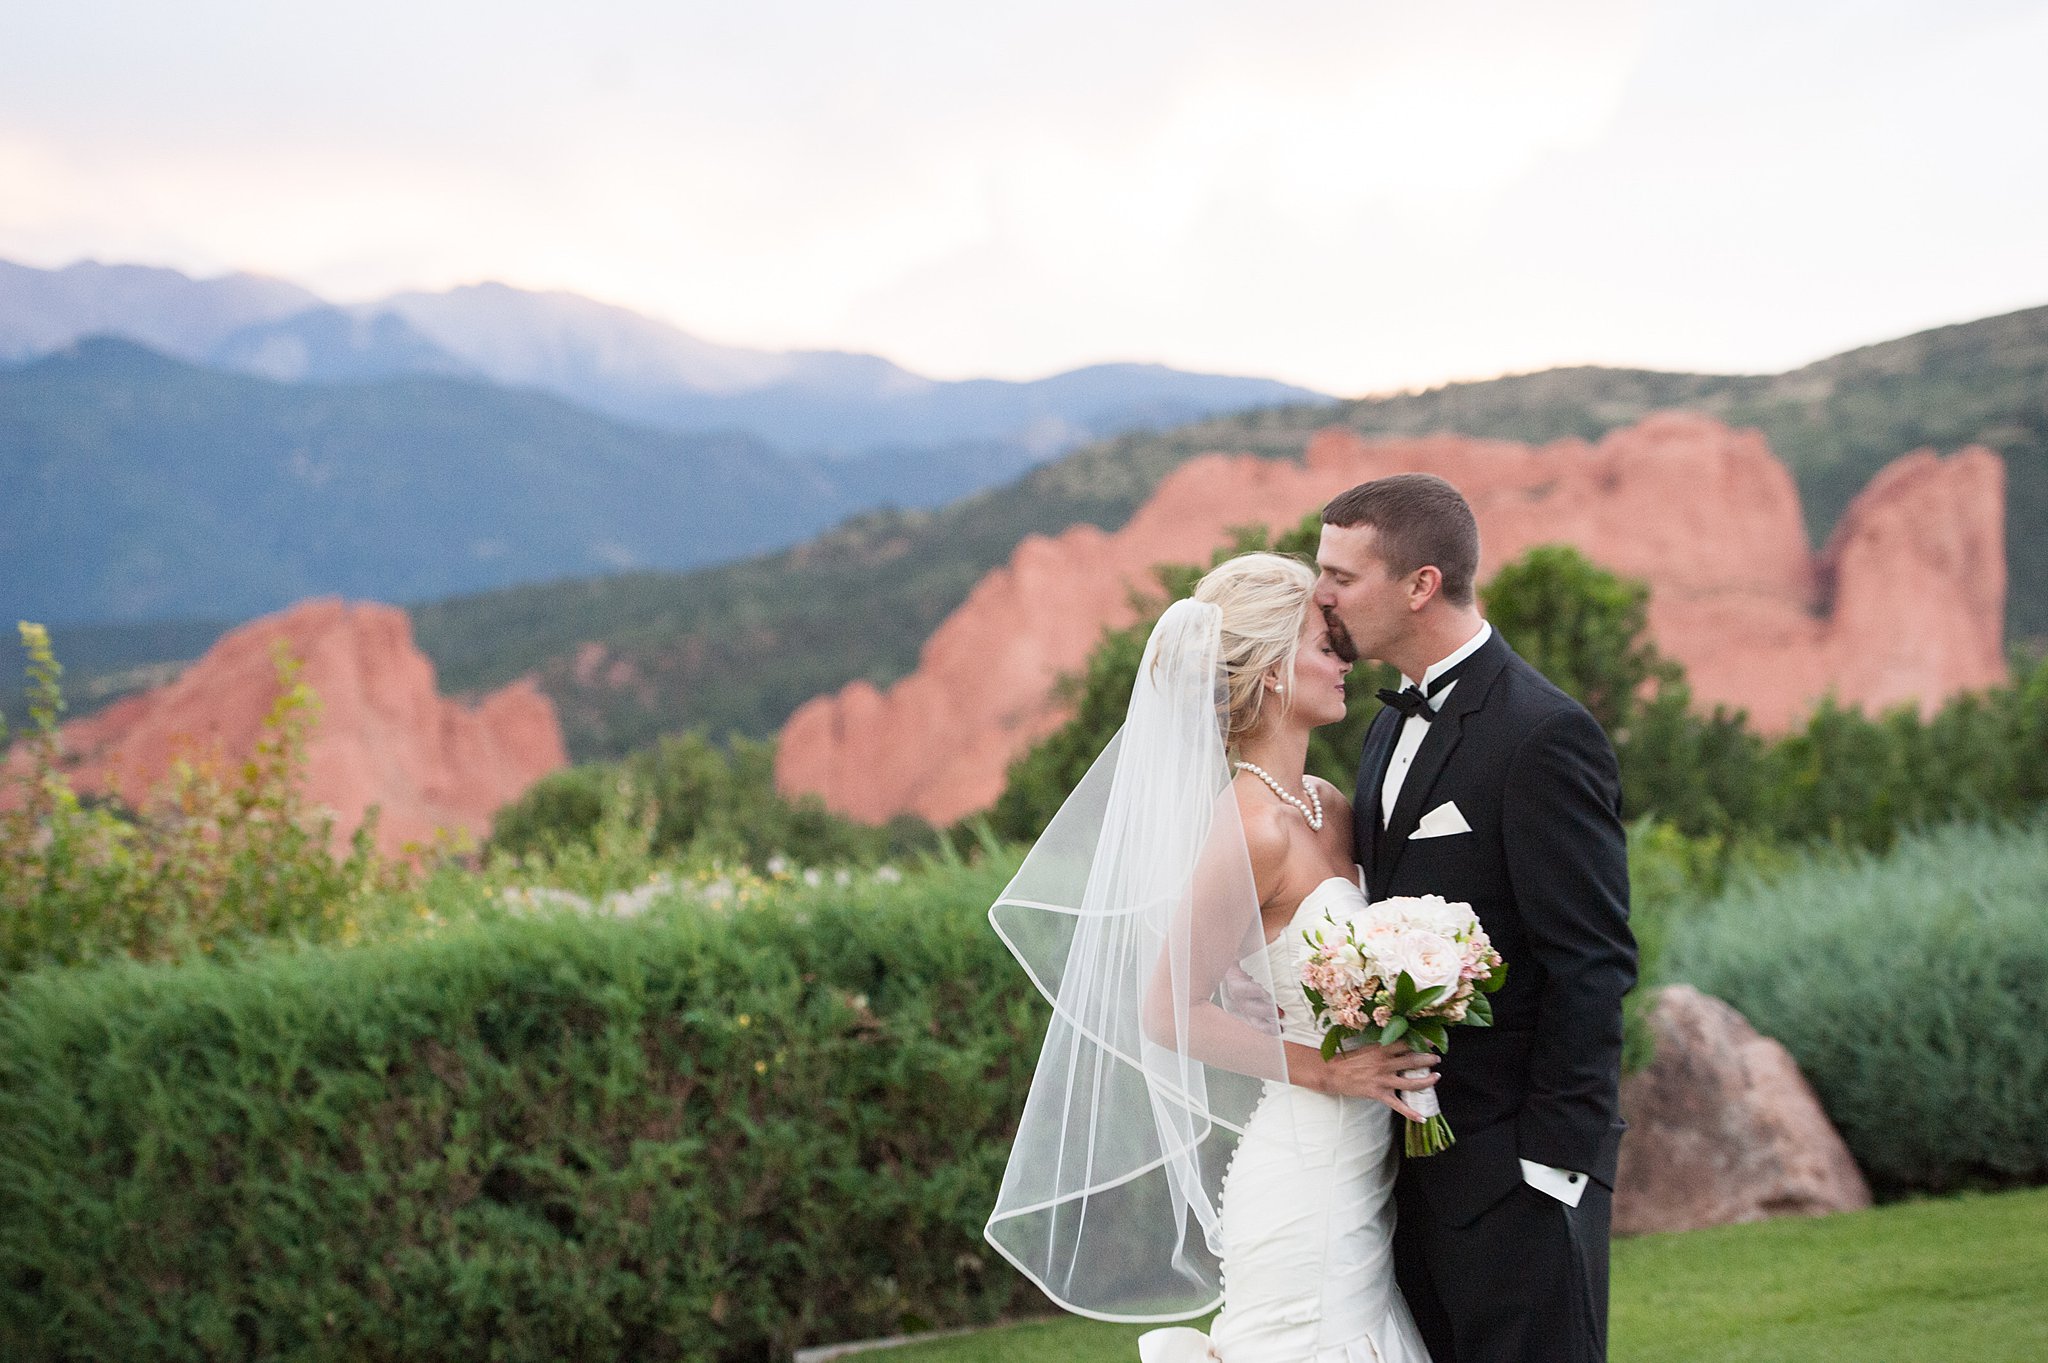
(1353, 195)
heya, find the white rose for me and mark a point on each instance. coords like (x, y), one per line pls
(1371, 931)
(1434, 913)
(1428, 959)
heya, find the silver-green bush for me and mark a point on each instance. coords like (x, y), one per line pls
(1909, 987)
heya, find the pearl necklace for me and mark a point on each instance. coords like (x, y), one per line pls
(1315, 820)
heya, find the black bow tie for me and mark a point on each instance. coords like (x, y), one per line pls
(1408, 700)
(1413, 700)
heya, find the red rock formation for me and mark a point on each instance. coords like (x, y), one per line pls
(1723, 1128)
(384, 736)
(1906, 604)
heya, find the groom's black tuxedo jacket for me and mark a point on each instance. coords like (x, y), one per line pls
(1545, 867)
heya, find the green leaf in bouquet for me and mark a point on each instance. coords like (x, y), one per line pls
(1430, 1031)
(1430, 998)
(1479, 1012)
(1394, 1030)
(1331, 1041)
(1493, 982)
(1404, 994)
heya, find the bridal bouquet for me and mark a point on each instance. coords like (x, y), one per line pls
(1407, 968)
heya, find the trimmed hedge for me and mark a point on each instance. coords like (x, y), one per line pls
(1909, 987)
(693, 1136)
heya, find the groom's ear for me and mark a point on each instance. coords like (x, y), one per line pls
(1425, 585)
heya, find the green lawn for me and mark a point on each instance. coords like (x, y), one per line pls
(1963, 1278)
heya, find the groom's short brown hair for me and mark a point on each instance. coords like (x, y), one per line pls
(1421, 520)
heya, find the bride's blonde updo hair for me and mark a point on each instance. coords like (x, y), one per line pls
(1264, 599)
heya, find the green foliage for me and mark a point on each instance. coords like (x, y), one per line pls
(698, 803)
(1583, 627)
(1907, 987)
(1846, 778)
(106, 662)
(1703, 773)
(212, 861)
(1858, 780)
(692, 1135)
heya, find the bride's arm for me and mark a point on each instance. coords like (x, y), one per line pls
(1219, 924)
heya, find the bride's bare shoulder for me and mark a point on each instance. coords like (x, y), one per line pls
(1266, 827)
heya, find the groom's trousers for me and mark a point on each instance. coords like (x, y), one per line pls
(1525, 1282)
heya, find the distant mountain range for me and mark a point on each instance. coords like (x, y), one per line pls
(217, 448)
(46, 310)
(609, 359)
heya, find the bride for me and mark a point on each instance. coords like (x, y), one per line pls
(1184, 1143)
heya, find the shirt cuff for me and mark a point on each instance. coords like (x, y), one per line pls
(1566, 1185)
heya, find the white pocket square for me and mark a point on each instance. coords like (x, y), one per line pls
(1441, 822)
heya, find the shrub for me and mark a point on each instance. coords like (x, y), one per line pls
(698, 802)
(1861, 781)
(1671, 873)
(212, 860)
(1908, 988)
(690, 1135)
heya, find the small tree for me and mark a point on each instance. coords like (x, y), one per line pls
(1584, 628)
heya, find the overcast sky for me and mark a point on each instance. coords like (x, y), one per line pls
(1349, 194)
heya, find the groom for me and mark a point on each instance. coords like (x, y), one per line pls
(1482, 782)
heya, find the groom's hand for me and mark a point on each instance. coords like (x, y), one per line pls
(1377, 1072)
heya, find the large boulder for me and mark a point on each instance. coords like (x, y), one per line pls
(1724, 1128)
(1708, 516)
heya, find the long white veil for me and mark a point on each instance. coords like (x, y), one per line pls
(1126, 914)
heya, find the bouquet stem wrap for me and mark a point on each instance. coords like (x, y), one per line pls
(1432, 1133)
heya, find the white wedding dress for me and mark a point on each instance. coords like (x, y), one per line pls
(1307, 1211)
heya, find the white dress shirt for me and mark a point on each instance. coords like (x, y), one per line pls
(1416, 728)
(1566, 1185)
